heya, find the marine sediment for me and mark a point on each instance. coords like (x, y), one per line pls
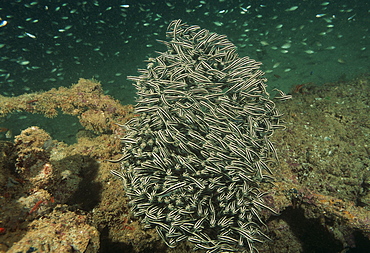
(196, 155)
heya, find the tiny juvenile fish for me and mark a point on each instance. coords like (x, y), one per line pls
(30, 35)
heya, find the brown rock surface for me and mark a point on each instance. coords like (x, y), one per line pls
(321, 190)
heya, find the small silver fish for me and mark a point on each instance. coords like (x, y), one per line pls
(3, 23)
(30, 35)
(9, 134)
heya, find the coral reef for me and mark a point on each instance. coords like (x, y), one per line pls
(321, 187)
(323, 175)
(59, 232)
(43, 179)
(52, 194)
(86, 99)
(196, 155)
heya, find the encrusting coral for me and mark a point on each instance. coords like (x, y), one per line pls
(86, 99)
(195, 157)
(41, 175)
